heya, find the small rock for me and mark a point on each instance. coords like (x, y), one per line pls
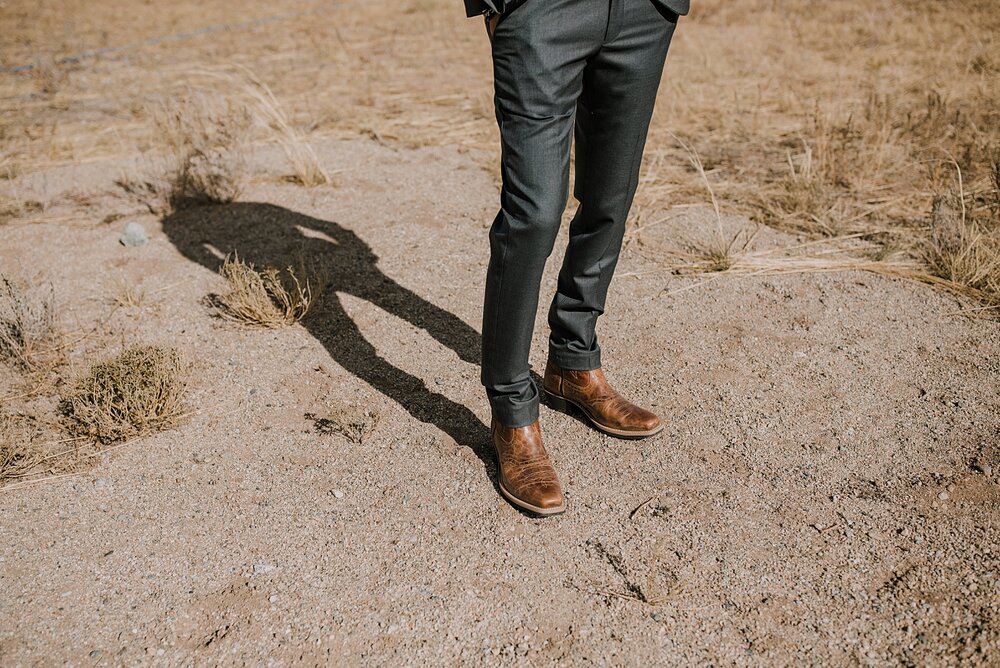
(133, 235)
(262, 568)
(100, 483)
(338, 493)
(944, 496)
(273, 598)
(987, 470)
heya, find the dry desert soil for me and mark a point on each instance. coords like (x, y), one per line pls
(826, 490)
(827, 487)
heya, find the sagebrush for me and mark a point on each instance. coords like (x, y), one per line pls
(137, 392)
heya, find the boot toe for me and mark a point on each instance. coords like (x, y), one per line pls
(649, 421)
(550, 498)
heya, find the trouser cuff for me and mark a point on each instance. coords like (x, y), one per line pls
(514, 413)
(575, 361)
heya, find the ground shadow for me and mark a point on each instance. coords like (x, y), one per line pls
(271, 236)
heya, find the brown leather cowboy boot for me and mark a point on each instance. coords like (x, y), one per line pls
(603, 407)
(527, 477)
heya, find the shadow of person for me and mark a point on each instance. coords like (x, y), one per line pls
(267, 235)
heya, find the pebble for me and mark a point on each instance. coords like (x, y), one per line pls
(944, 496)
(100, 483)
(262, 568)
(338, 493)
(133, 235)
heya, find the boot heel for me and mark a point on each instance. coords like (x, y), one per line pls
(558, 403)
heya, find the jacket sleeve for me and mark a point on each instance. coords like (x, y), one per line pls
(477, 7)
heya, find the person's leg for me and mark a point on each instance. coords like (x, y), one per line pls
(539, 53)
(619, 90)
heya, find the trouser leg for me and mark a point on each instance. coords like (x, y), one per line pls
(619, 89)
(539, 53)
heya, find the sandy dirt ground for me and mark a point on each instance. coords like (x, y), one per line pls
(826, 490)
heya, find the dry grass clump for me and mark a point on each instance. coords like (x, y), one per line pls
(17, 456)
(207, 138)
(135, 393)
(305, 167)
(832, 180)
(721, 253)
(963, 250)
(207, 134)
(27, 321)
(268, 298)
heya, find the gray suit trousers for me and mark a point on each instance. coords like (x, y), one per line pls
(589, 68)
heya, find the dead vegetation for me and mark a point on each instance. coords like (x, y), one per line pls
(354, 424)
(18, 457)
(27, 321)
(304, 165)
(269, 298)
(207, 133)
(137, 392)
(838, 120)
(962, 249)
(206, 137)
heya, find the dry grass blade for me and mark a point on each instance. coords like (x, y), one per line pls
(267, 111)
(720, 254)
(135, 393)
(27, 320)
(265, 299)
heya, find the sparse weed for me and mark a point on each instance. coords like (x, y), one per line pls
(207, 138)
(17, 456)
(127, 294)
(961, 251)
(722, 251)
(268, 114)
(354, 424)
(27, 320)
(305, 167)
(135, 393)
(268, 298)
